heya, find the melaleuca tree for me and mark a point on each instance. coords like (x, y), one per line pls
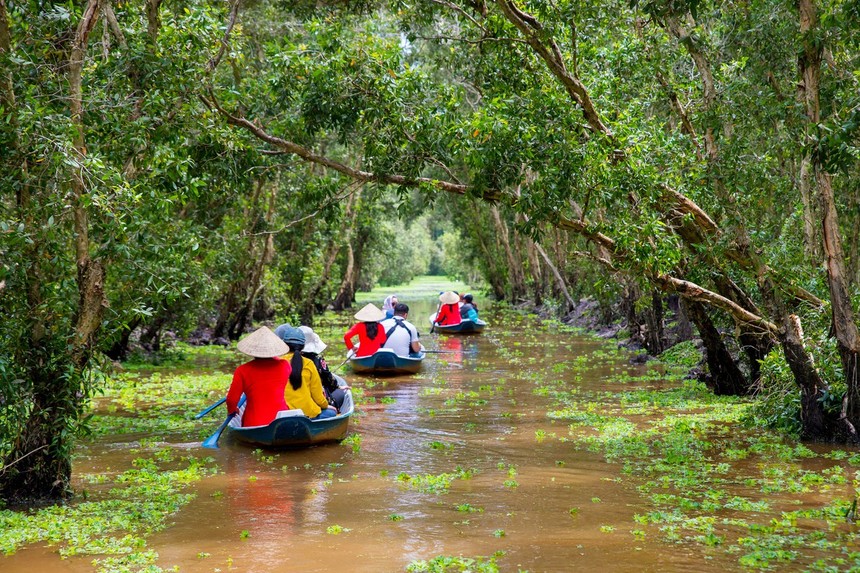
(668, 135)
(101, 113)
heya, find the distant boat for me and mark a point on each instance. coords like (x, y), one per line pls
(466, 326)
(295, 430)
(386, 361)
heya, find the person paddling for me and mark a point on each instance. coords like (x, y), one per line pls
(371, 336)
(401, 335)
(262, 380)
(449, 311)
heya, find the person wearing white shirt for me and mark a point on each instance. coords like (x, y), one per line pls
(402, 336)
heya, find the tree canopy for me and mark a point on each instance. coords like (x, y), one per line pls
(197, 166)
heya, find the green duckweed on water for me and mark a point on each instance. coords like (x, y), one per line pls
(114, 521)
(711, 478)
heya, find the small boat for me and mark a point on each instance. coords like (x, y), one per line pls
(386, 361)
(292, 429)
(466, 326)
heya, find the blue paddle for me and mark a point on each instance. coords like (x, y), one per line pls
(212, 441)
(210, 408)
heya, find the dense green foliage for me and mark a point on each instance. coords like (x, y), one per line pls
(232, 163)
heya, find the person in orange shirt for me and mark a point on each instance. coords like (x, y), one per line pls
(371, 336)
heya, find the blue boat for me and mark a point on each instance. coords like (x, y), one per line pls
(386, 361)
(466, 326)
(292, 429)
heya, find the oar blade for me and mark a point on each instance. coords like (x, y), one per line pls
(212, 441)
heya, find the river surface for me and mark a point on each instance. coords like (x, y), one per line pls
(540, 505)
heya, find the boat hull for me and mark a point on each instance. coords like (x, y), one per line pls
(298, 431)
(466, 326)
(386, 362)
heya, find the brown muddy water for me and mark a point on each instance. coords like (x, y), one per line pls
(471, 408)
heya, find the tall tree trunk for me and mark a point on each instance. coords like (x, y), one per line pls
(629, 295)
(806, 185)
(844, 326)
(39, 464)
(236, 304)
(854, 237)
(308, 307)
(684, 331)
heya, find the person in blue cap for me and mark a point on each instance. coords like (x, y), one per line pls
(304, 390)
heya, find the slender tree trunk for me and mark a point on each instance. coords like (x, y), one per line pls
(237, 303)
(515, 268)
(570, 304)
(844, 326)
(629, 296)
(684, 331)
(150, 338)
(535, 270)
(39, 465)
(153, 19)
(346, 292)
(854, 238)
(810, 235)
(309, 305)
(262, 260)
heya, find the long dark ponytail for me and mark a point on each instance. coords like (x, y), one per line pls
(297, 364)
(372, 329)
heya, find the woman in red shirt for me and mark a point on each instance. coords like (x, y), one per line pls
(371, 336)
(262, 380)
(449, 311)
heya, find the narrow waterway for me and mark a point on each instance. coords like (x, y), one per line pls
(457, 460)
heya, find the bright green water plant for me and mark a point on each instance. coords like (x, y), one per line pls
(437, 484)
(112, 524)
(709, 484)
(446, 564)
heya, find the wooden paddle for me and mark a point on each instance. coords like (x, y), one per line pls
(210, 408)
(438, 308)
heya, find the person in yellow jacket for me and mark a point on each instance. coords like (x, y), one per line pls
(304, 390)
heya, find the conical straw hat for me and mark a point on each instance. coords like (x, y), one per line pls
(313, 342)
(262, 343)
(448, 297)
(370, 313)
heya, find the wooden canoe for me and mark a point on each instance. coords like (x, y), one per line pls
(295, 430)
(386, 361)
